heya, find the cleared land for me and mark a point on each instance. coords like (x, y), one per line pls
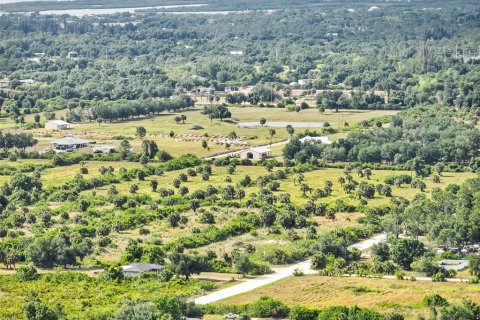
(380, 295)
(187, 140)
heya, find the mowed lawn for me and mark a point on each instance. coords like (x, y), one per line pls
(381, 295)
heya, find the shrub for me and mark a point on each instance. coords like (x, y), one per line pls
(27, 273)
(302, 313)
(267, 307)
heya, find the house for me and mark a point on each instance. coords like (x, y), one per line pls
(257, 153)
(69, 143)
(308, 139)
(135, 269)
(72, 55)
(304, 82)
(236, 53)
(57, 125)
(27, 81)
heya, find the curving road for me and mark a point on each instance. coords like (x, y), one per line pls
(278, 274)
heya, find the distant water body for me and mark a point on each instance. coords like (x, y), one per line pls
(104, 11)
(14, 1)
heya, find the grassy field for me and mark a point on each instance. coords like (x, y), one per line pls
(380, 295)
(186, 140)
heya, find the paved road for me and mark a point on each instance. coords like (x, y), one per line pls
(278, 274)
(249, 285)
(367, 244)
(233, 153)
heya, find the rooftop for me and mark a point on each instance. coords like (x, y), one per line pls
(261, 149)
(142, 267)
(59, 122)
(322, 139)
(70, 140)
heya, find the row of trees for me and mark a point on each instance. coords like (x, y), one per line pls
(123, 110)
(20, 140)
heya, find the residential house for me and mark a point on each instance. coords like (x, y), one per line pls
(69, 143)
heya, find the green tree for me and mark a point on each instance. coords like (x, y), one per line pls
(290, 130)
(34, 309)
(404, 251)
(141, 132)
(474, 265)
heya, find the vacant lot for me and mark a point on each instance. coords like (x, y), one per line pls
(378, 294)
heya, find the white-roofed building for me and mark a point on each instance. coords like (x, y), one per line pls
(135, 269)
(309, 139)
(256, 153)
(57, 125)
(69, 143)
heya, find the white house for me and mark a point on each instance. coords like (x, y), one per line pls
(304, 82)
(69, 143)
(257, 153)
(308, 139)
(57, 125)
(135, 269)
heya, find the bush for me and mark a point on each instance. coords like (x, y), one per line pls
(27, 273)
(302, 313)
(267, 307)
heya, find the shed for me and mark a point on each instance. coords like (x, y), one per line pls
(69, 143)
(256, 153)
(57, 125)
(135, 269)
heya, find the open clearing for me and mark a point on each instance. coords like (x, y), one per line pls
(381, 295)
(214, 132)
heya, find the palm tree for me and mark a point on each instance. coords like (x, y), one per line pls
(290, 130)
(272, 132)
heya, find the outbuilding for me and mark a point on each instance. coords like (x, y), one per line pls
(69, 143)
(57, 125)
(257, 153)
(135, 269)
